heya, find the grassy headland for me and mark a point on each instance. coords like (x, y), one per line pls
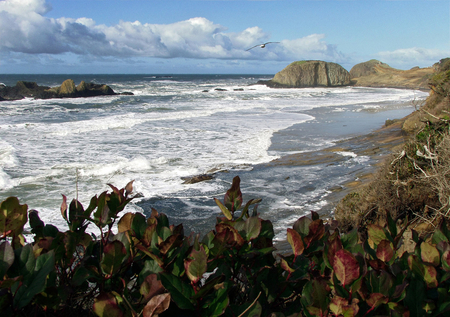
(412, 185)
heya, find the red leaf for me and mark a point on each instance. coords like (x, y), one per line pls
(335, 245)
(295, 240)
(64, 208)
(376, 299)
(157, 305)
(346, 267)
(429, 253)
(151, 287)
(316, 231)
(384, 251)
(430, 276)
(196, 265)
(129, 188)
(233, 197)
(106, 305)
(229, 235)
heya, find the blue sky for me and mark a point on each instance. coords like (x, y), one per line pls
(201, 36)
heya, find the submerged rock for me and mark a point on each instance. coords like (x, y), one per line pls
(197, 178)
(310, 74)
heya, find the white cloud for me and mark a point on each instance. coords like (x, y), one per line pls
(25, 29)
(413, 56)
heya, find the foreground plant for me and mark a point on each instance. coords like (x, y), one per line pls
(150, 267)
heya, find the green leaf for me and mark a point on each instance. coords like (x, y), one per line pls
(219, 303)
(302, 226)
(346, 267)
(224, 209)
(376, 234)
(107, 305)
(101, 216)
(13, 216)
(36, 223)
(24, 261)
(81, 275)
(76, 215)
(295, 240)
(196, 264)
(391, 225)
(180, 291)
(415, 295)
(113, 255)
(249, 229)
(233, 197)
(6, 258)
(139, 225)
(35, 283)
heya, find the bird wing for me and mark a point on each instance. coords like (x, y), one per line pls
(252, 47)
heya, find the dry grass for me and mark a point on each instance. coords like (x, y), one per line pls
(413, 185)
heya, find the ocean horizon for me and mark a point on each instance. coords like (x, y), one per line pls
(176, 126)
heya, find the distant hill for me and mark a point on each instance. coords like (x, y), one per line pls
(377, 74)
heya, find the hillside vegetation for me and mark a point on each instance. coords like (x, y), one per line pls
(414, 184)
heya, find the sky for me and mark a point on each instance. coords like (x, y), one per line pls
(213, 36)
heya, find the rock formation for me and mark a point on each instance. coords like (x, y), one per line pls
(374, 73)
(67, 89)
(310, 74)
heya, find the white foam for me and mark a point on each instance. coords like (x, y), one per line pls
(345, 153)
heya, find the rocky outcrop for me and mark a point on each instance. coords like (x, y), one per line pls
(197, 178)
(310, 74)
(377, 74)
(67, 89)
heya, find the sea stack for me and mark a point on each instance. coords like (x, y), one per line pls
(310, 74)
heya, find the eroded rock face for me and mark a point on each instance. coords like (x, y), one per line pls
(374, 73)
(310, 74)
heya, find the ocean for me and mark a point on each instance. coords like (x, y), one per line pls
(177, 126)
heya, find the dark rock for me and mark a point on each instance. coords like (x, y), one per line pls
(220, 89)
(238, 89)
(205, 90)
(197, 178)
(126, 93)
(67, 89)
(310, 74)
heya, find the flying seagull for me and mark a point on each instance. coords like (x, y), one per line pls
(261, 45)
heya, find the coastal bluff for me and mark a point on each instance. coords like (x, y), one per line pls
(374, 73)
(68, 89)
(310, 74)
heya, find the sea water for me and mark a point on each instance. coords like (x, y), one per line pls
(176, 126)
